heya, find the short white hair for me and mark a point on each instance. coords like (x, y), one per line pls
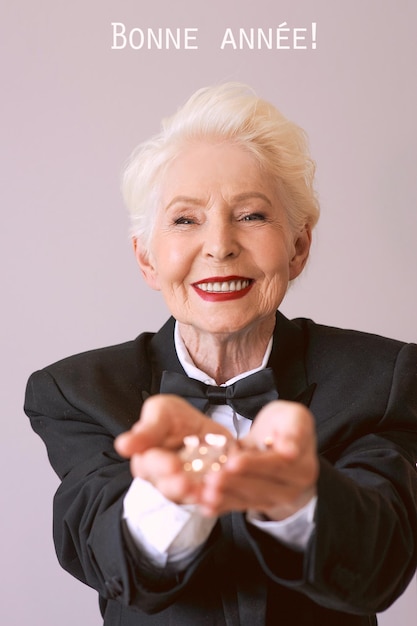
(227, 112)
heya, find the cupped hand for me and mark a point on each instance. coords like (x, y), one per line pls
(275, 469)
(152, 445)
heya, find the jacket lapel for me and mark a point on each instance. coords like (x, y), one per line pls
(163, 355)
(288, 362)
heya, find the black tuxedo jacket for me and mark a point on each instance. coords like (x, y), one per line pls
(362, 390)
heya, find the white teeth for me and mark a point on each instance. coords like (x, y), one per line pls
(225, 286)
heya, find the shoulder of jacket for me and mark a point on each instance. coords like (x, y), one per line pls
(326, 334)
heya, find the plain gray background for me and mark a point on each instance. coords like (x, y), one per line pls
(72, 109)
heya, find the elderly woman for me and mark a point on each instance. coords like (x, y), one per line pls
(300, 504)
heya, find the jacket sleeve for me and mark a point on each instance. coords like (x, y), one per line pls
(90, 539)
(363, 553)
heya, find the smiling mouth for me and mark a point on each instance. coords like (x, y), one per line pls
(225, 286)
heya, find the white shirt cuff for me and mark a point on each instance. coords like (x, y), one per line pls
(164, 531)
(294, 531)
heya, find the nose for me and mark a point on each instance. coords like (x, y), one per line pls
(220, 239)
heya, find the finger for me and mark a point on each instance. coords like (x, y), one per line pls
(220, 495)
(164, 470)
(253, 478)
(287, 427)
(164, 421)
(273, 466)
(155, 463)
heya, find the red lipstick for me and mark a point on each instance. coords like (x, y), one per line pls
(223, 288)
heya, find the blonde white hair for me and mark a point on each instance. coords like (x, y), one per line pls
(228, 112)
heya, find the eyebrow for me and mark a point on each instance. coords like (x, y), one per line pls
(241, 197)
(186, 199)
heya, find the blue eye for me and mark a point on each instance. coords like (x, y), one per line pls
(184, 220)
(253, 217)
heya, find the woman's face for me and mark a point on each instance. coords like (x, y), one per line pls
(222, 252)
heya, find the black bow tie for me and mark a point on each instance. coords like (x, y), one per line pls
(246, 396)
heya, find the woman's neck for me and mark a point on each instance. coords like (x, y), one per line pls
(226, 355)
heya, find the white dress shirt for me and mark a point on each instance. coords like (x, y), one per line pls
(170, 533)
